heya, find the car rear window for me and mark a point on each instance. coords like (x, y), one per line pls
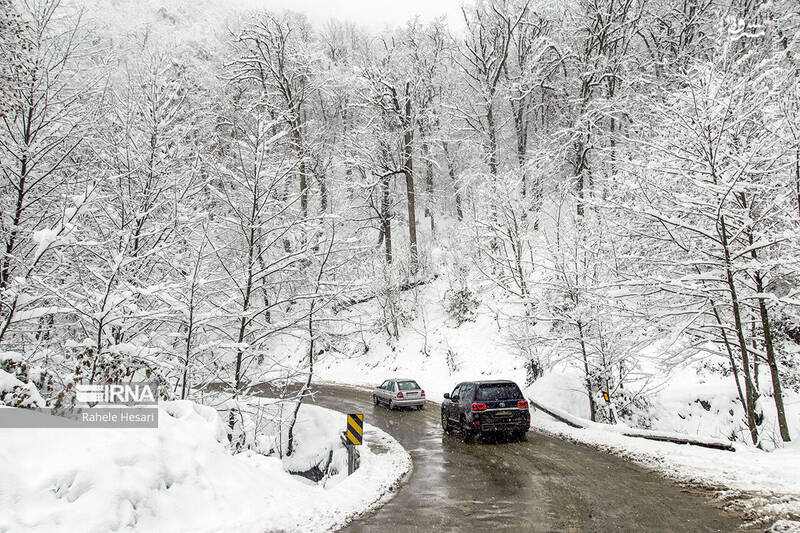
(407, 385)
(498, 391)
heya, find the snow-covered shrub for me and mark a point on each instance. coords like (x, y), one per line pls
(634, 409)
(790, 376)
(318, 452)
(15, 393)
(397, 311)
(462, 305)
(16, 389)
(533, 370)
(715, 366)
(87, 366)
(15, 367)
(452, 361)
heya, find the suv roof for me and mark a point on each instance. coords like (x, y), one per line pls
(491, 381)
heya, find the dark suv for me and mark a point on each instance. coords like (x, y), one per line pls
(479, 407)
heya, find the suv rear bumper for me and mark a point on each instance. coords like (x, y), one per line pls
(492, 427)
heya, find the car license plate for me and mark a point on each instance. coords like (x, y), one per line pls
(412, 393)
(503, 413)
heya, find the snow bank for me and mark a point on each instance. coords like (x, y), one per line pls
(563, 390)
(181, 477)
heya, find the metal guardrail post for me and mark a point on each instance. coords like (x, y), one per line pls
(353, 456)
(351, 459)
(353, 436)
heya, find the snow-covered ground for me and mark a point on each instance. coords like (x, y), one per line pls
(182, 477)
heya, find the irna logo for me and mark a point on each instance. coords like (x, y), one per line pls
(117, 393)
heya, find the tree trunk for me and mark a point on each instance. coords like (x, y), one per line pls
(428, 182)
(772, 362)
(408, 170)
(492, 131)
(323, 191)
(521, 131)
(588, 380)
(451, 170)
(769, 346)
(189, 333)
(301, 167)
(5, 270)
(307, 385)
(493, 244)
(737, 318)
(251, 248)
(729, 350)
(797, 178)
(582, 171)
(386, 217)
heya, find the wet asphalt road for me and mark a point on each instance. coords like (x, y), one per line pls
(543, 484)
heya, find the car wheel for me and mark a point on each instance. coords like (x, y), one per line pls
(421, 406)
(467, 435)
(520, 436)
(375, 399)
(445, 423)
(391, 405)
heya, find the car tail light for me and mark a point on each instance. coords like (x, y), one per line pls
(522, 405)
(399, 394)
(422, 393)
(478, 406)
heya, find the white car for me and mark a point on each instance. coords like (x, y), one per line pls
(399, 393)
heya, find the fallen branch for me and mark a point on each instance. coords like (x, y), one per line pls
(406, 286)
(558, 417)
(684, 440)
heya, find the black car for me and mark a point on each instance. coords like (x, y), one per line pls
(480, 407)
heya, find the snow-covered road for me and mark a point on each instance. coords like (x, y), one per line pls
(544, 484)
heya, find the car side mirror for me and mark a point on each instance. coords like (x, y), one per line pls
(446, 395)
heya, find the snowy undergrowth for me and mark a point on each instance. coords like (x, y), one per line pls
(182, 477)
(16, 393)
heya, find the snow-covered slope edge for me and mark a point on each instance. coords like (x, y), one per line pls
(180, 477)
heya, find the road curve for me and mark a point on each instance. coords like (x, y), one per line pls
(543, 484)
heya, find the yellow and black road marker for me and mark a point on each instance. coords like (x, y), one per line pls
(355, 428)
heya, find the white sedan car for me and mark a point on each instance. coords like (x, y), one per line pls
(399, 393)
